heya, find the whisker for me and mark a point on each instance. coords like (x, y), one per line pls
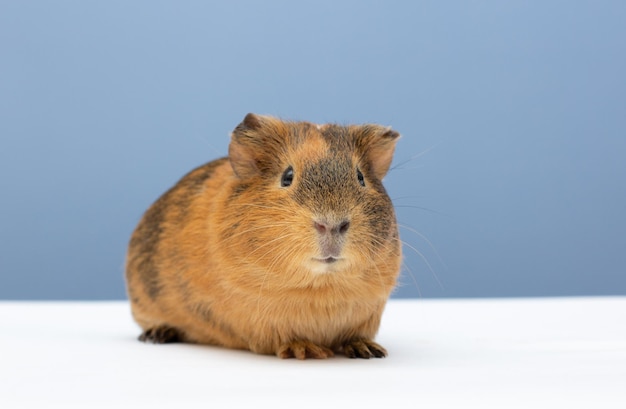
(259, 227)
(412, 158)
(412, 276)
(269, 243)
(207, 142)
(394, 199)
(253, 205)
(422, 208)
(425, 260)
(379, 254)
(423, 237)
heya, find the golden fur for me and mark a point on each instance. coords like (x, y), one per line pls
(231, 257)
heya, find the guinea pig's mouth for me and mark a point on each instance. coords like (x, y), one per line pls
(327, 260)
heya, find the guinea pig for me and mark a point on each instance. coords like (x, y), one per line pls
(288, 246)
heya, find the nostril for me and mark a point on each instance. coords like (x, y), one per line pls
(325, 228)
(343, 227)
(320, 227)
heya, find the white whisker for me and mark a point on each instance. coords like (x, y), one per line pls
(423, 237)
(425, 260)
(412, 158)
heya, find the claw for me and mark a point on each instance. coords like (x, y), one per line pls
(161, 335)
(363, 348)
(303, 349)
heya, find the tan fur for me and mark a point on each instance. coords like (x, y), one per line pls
(230, 259)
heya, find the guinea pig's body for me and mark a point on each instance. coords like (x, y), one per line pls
(289, 246)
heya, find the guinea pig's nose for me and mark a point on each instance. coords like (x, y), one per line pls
(323, 227)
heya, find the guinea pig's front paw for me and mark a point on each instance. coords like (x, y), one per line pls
(301, 349)
(363, 348)
(161, 335)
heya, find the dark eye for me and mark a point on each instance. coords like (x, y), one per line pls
(287, 177)
(360, 177)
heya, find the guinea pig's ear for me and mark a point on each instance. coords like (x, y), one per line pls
(244, 149)
(378, 144)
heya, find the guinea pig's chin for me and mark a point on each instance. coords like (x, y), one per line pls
(327, 265)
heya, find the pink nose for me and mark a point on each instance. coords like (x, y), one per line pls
(325, 228)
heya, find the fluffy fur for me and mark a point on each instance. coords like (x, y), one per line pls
(234, 256)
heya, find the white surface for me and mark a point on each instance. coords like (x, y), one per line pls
(553, 353)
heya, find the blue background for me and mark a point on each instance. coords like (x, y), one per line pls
(509, 179)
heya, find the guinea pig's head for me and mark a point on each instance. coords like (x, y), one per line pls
(308, 205)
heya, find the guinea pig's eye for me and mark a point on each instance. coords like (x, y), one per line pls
(360, 177)
(287, 177)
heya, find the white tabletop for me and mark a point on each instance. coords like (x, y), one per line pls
(533, 353)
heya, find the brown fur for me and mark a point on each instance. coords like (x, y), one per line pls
(230, 257)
